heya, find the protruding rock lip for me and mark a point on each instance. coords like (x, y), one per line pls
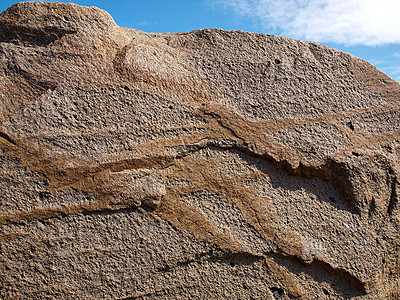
(41, 23)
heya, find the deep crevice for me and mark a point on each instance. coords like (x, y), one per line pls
(213, 255)
(339, 279)
(393, 198)
(7, 138)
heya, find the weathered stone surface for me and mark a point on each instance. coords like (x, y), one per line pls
(207, 164)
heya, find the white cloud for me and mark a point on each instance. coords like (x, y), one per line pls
(367, 22)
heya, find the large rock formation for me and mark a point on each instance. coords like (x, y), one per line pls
(209, 164)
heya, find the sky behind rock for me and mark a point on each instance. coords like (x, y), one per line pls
(369, 29)
(350, 22)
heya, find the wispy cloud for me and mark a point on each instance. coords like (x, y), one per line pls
(391, 68)
(351, 22)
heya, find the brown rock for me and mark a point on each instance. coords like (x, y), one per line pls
(208, 164)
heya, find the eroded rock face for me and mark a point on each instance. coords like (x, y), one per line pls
(208, 164)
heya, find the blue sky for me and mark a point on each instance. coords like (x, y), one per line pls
(369, 29)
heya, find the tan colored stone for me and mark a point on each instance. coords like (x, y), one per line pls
(208, 164)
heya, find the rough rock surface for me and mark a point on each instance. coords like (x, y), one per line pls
(208, 164)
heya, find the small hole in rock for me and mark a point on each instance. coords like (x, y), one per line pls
(232, 264)
(325, 291)
(356, 154)
(44, 195)
(350, 125)
(332, 199)
(277, 292)
(277, 61)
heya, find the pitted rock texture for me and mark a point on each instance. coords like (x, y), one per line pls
(209, 164)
